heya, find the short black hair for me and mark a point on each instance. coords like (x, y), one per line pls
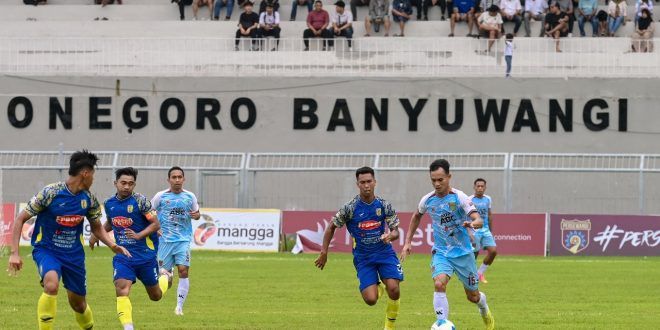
(364, 170)
(480, 180)
(126, 171)
(175, 168)
(81, 160)
(439, 163)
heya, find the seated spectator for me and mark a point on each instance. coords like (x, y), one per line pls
(218, 6)
(566, 6)
(401, 13)
(201, 3)
(443, 4)
(342, 22)
(641, 4)
(511, 12)
(248, 23)
(269, 25)
(490, 25)
(182, 4)
(264, 3)
(587, 10)
(40, 2)
(479, 9)
(556, 24)
(617, 12)
(296, 3)
(103, 2)
(317, 25)
(378, 14)
(603, 28)
(419, 5)
(534, 10)
(642, 38)
(463, 11)
(355, 4)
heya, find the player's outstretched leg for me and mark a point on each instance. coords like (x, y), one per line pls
(164, 280)
(479, 298)
(393, 303)
(488, 260)
(440, 302)
(124, 306)
(182, 290)
(47, 305)
(84, 316)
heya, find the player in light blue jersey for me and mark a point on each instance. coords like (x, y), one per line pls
(176, 207)
(366, 217)
(483, 238)
(452, 249)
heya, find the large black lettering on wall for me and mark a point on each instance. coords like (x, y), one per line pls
(458, 115)
(602, 117)
(623, 115)
(413, 112)
(243, 102)
(28, 112)
(180, 113)
(565, 118)
(142, 115)
(341, 116)
(304, 113)
(491, 111)
(95, 111)
(57, 112)
(208, 109)
(526, 117)
(371, 114)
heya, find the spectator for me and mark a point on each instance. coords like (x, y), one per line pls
(401, 13)
(317, 25)
(378, 14)
(443, 4)
(508, 53)
(641, 4)
(248, 23)
(218, 6)
(535, 10)
(342, 22)
(566, 6)
(617, 12)
(182, 4)
(201, 3)
(556, 24)
(355, 4)
(264, 3)
(511, 11)
(463, 11)
(103, 2)
(642, 38)
(603, 28)
(269, 25)
(296, 3)
(479, 9)
(490, 25)
(587, 13)
(419, 5)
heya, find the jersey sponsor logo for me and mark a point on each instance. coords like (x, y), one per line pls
(178, 211)
(575, 234)
(69, 220)
(83, 203)
(446, 218)
(122, 222)
(130, 209)
(369, 225)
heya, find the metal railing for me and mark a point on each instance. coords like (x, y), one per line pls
(371, 57)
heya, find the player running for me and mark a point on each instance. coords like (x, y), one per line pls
(58, 241)
(135, 227)
(483, 238)
(452, 249)
(365, 217)
(175, 207)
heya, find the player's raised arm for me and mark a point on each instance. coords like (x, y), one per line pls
(414, 223)
(15, 261)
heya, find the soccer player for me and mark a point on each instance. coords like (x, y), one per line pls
(57, 239)
(175, 207)
(366, 217)
(135, 225)
(483, 238)
(452, 248)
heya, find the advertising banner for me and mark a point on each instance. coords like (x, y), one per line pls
(604, 235)
(7, 213)
(238, 230)
(515, 234)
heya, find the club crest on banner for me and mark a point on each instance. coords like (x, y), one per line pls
(575, 234)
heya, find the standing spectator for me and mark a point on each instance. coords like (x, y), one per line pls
(443, 4)
(641, 4)
(317, 25)
(296, 3)
(264, 3)
(617, 12)
(269, 25)
(401, 13)
(355, 4)
(201, 3)
(248, 23)
(182, 4)
(342, 23)
(642, 38)
(490, 25)
(566, 6)
(508, 53)
(535, 10)
(378, 14)
(587, 13)
(511, 12)
(556, 24)
(218, 6)
(463, 11)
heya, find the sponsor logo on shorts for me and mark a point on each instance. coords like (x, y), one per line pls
(369, 225)
(123, 222)
(69, 220)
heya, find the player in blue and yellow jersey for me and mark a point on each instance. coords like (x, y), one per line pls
(452, 248)
(483, 238)
(176, 207)
(368, 218)
(135, 225)
(58, 240)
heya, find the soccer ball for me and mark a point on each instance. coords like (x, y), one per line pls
(443, 325)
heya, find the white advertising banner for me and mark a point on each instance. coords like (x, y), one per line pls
(238, 230)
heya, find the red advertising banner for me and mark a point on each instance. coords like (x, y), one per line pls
(604, 235)
(515, 234)
(6, 220)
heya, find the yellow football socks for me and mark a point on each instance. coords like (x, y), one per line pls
(163, 283)
(46, 310)
(86, 319)
(124, 310)
(391, 312)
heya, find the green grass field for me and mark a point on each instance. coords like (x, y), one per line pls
(284, 291)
